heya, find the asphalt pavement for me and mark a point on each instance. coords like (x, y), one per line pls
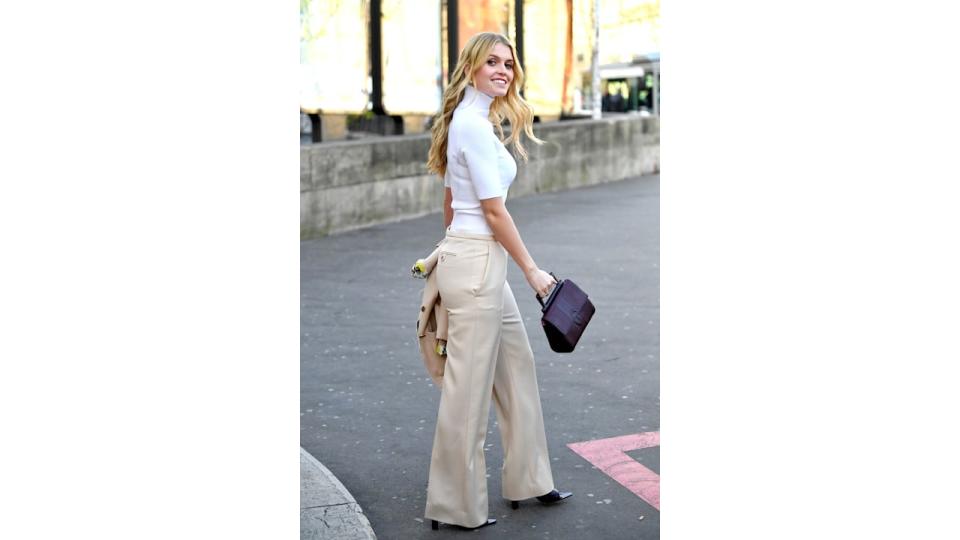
(368, 408)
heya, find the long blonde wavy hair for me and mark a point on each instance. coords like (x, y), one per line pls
(511, 106)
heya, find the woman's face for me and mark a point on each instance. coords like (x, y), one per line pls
(495, 75)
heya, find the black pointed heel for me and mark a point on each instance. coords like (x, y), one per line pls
(554, 497)
(550, 498)
(435, 525)
(490, 521)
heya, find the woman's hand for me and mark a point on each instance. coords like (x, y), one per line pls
(540, 281)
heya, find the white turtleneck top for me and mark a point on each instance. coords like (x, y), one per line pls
(478, 165)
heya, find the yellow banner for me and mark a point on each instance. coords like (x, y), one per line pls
(411, 56)
(544, 54)
(334, 58)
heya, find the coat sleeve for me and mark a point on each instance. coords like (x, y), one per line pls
(479, 149)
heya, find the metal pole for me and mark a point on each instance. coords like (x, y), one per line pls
(656, 90)
(376, 62)
(453, 37)
(316, 127)
(518, 16)
(596, 60)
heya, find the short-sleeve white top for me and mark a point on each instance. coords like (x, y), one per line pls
(478, 164)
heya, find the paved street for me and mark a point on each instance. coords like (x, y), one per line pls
(368, 407)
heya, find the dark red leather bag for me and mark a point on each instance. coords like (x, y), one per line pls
(566, 313)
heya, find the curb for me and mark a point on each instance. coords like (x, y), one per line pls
(327, 509)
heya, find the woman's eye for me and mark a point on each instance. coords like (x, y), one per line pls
(509, 66)
(491, 62)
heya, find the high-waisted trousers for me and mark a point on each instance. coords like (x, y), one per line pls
(488, 356)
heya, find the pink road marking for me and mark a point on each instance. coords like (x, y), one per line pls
(609, 456)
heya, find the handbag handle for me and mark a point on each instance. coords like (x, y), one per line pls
(554, 290)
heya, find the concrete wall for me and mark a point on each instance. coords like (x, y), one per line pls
(350, 184)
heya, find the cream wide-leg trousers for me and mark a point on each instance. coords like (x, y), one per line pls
(488, 356)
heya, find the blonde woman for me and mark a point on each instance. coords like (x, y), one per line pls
(488, 353)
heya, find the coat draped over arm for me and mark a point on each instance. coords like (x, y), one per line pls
(432, 320)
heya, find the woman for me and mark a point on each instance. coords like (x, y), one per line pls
(488, 353)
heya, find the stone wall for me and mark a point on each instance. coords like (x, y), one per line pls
(349, 184)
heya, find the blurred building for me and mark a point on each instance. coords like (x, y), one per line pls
(379, 67)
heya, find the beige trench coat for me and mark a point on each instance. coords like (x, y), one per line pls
(432, 323)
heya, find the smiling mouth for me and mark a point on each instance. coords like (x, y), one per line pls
(500, 81)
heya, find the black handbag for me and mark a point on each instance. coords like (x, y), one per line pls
(566, 313)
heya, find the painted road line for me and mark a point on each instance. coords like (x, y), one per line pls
(609, 455)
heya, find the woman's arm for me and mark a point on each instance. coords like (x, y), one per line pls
(505, 231)
(447, 208)
(479, 150)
